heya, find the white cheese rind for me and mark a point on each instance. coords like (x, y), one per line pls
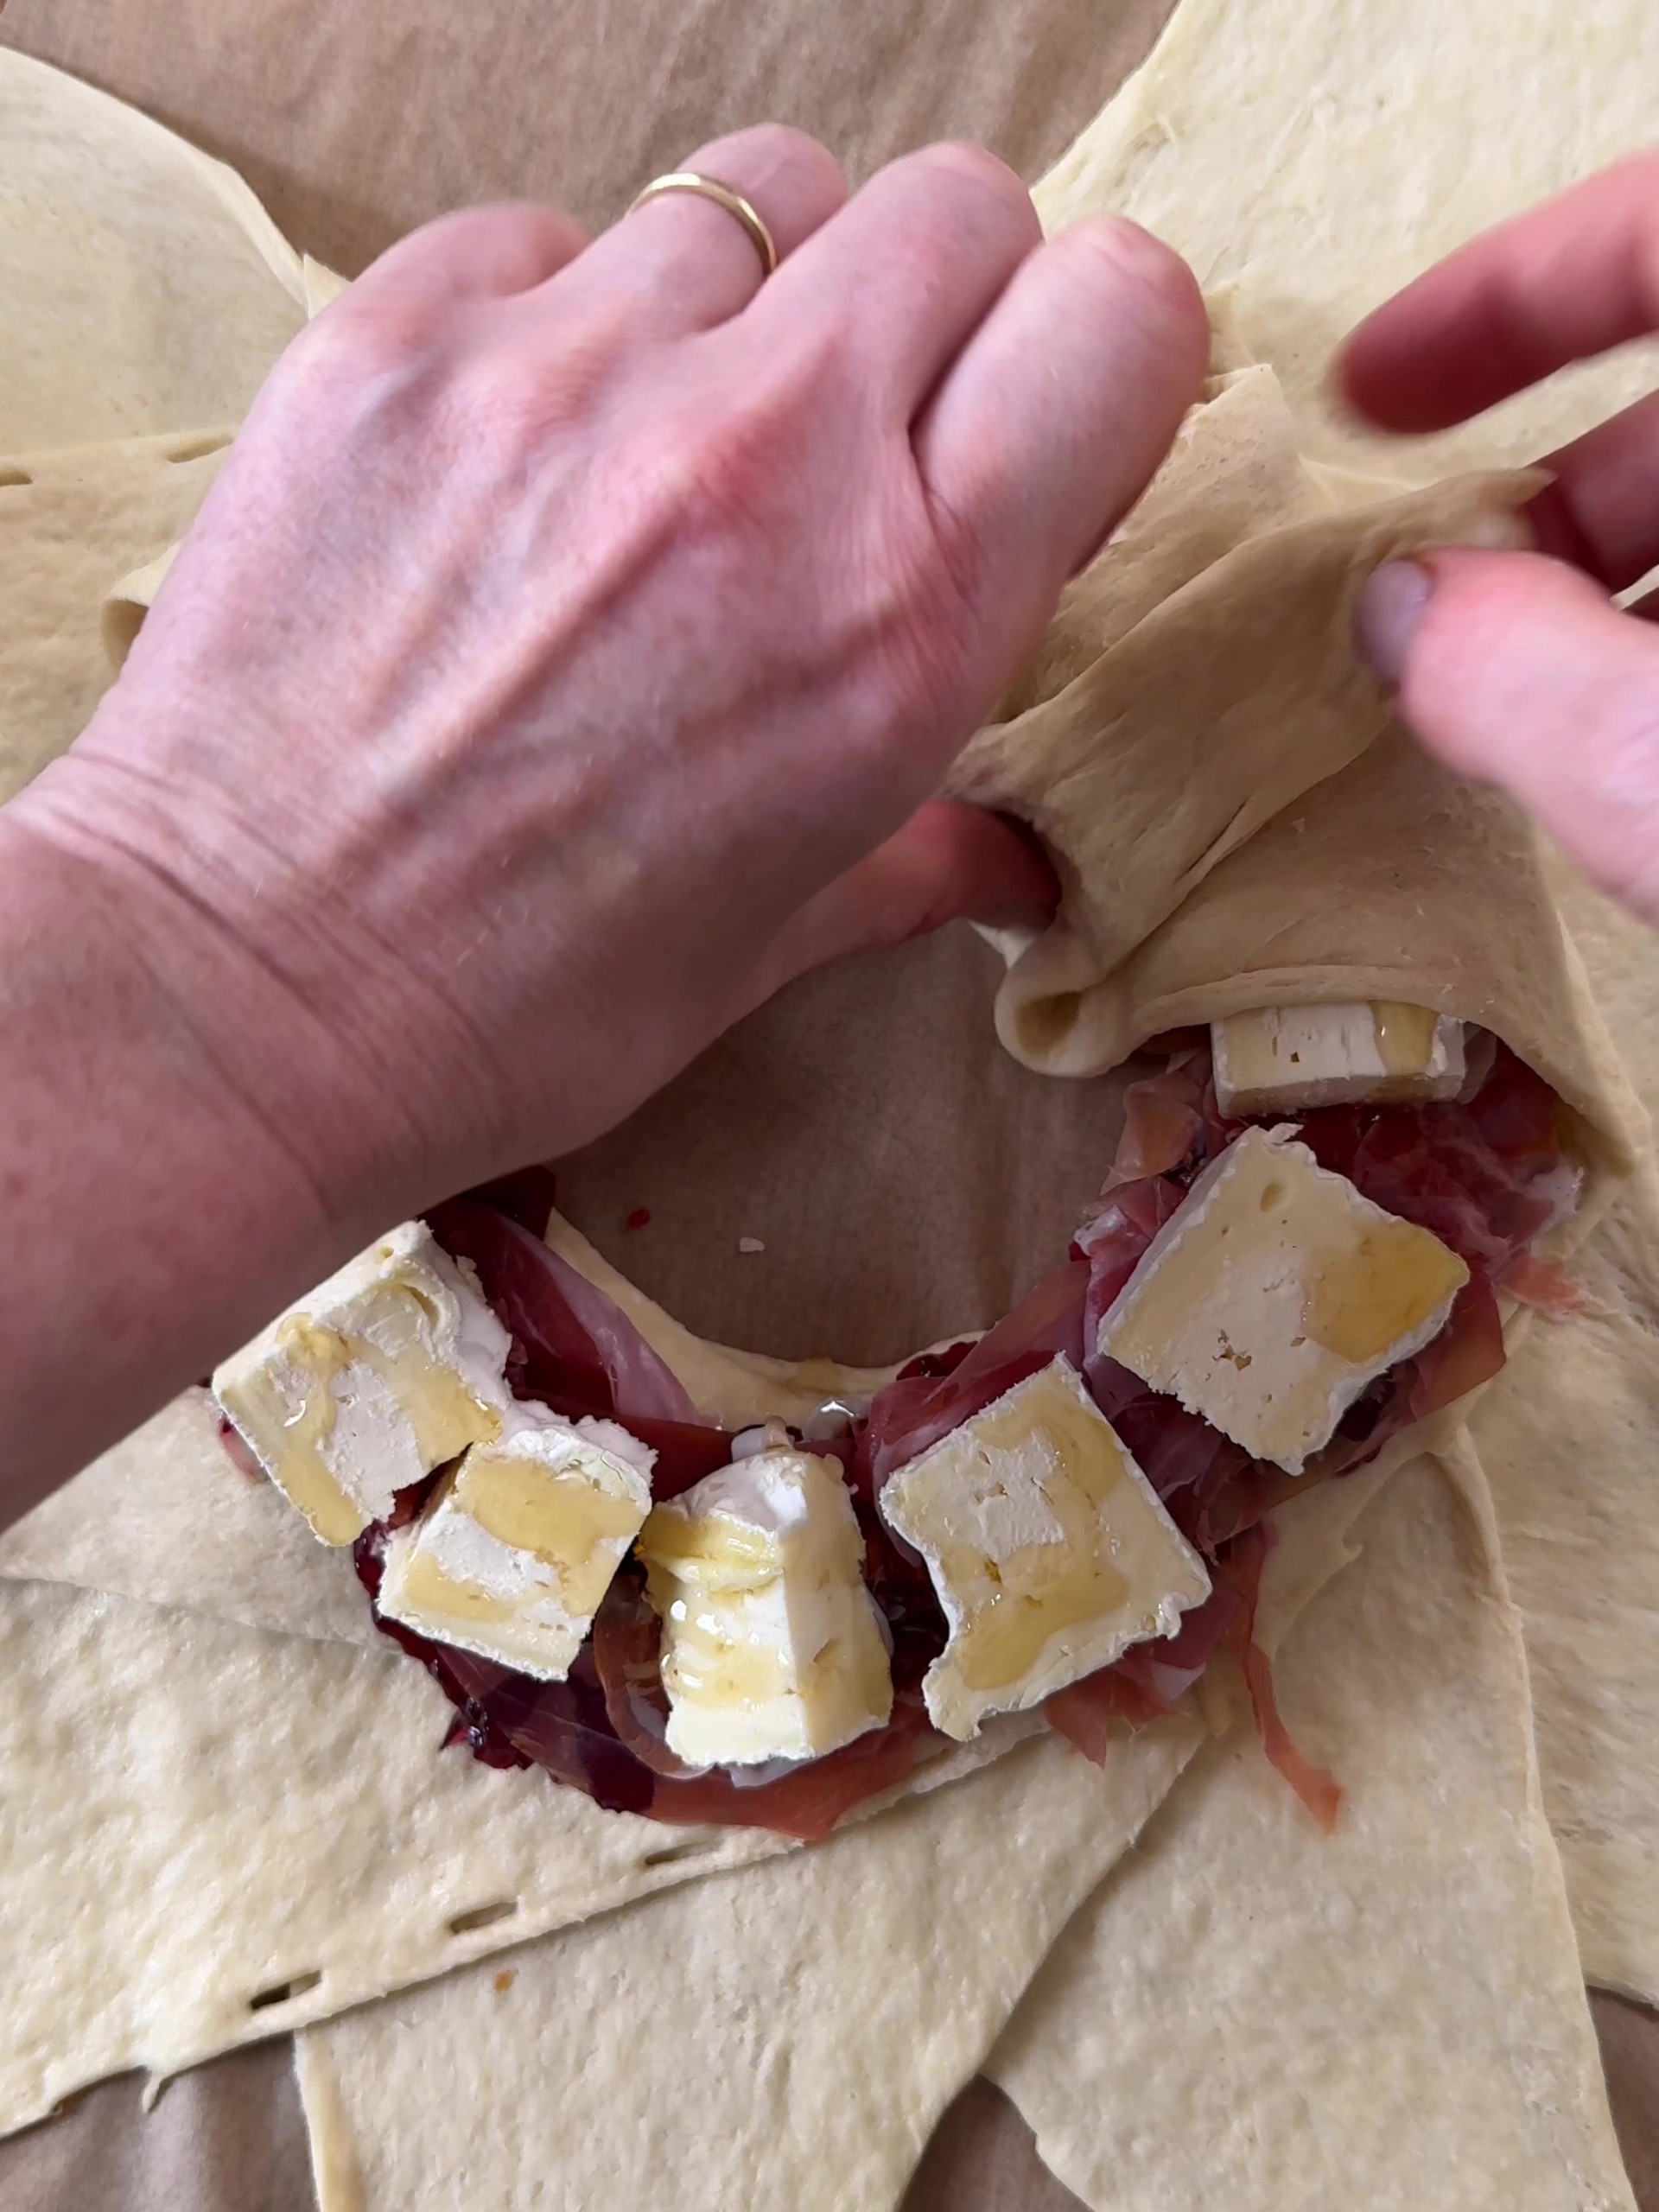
(515, 1550)
(1275, 1294)
(1048, 1548)
(391, 1367)
(773, 1647)
(1292, 1058)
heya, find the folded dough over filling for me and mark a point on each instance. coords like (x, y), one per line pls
(1210, 718)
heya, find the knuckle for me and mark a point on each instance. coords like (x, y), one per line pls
(920, 627)
(358, 342)
(956, 190)
(501, 393)
(745, 455)
(1144, 280)
(773, 146)
(978, 166)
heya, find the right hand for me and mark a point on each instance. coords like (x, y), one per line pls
(1518, 668)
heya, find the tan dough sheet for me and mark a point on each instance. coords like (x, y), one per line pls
(1311, 157)
(146, 289)
(1571, 1451)
(804, 2025)
(196, 1817)
(1233, 471)
(1571, 1454)
(71, 522)
(785, 2037)
(1209, 2068)
(1250, 2014)
(167, 1518)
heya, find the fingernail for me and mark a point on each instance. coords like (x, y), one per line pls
(1388, 615)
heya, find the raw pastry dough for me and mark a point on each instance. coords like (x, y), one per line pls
(1251, 2014)
(1311, 157)
(146, 289)
(70, 522)
(196, 1817)
(776, 2038)
(1213, 713)
(1184, 1972)
(798, 2042)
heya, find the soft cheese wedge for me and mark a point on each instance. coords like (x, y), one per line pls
(381, 1374)
(1291, 1058)
(518, 1545)
(773, 1647)
(1049, 1549)
(1274, 1296)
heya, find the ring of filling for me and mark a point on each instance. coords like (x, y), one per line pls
(1485, 1175)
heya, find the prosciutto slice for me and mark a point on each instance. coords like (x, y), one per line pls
(571, 1343)
(1319, 1789)
(938, 1393)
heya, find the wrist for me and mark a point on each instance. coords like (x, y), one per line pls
(253, 942)
(159, 1208)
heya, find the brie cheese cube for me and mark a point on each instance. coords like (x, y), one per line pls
(1274, 1294)
(1049, 1549)
(1289, 1058)
(773, 1648)
(389, 1369)
(518, 1544)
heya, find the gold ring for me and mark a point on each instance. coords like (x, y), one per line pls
(709, 188)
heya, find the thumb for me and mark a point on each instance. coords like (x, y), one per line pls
(950, 861)
(1519, 670)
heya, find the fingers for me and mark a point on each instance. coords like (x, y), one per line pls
(1602, 511)
(1066, 399)
(1517, 670)
(680, 263)
(906, 271)
(949, 862)
(1566, 282)
(476, 253)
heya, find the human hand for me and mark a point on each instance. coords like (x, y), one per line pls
(574, 642)
(1518, 668)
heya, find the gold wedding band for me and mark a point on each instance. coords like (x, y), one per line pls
(709, 188)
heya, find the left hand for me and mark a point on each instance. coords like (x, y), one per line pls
(570, 651)
(573, 646)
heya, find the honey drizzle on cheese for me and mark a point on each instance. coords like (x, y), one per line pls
(1378, 1290)
(693, 1564)
(444, 1413)
(322, 1354)
(1405, 1036)
(427, 1587)
(565, 1519)
(1040, 1588)
(719, 1550)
